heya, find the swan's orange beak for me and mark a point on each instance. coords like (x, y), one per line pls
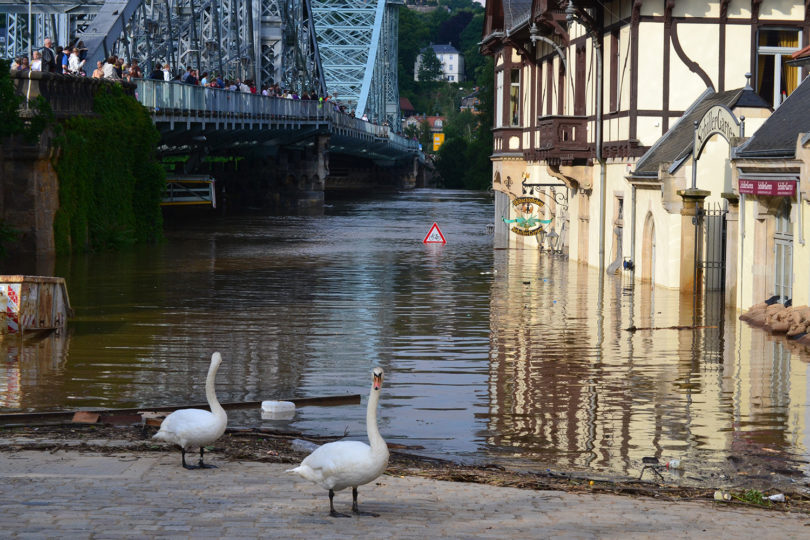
(377, 381)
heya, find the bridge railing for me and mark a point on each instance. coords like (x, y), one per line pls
(179, 98)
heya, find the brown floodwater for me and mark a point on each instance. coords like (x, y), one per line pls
(489, 355)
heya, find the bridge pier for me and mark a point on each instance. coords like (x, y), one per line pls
(29, 199)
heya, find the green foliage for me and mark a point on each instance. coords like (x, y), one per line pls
(430, 67)
(110, 182)
(11, 123)
(463, 160)
(753, 496)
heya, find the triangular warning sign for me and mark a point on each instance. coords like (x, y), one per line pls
(434, 236)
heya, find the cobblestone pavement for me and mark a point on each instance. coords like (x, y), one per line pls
(125, 494)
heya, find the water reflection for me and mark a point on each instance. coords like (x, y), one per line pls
(29, 364)
(571, 387)
(489, 354)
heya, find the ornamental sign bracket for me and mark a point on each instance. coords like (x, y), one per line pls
(718, 120)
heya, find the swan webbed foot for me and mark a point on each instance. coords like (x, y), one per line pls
(356, 510)
(183, 457)
(205, 466)
(332, 511)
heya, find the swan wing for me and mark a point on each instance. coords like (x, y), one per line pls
(191, 428)
(341, 464)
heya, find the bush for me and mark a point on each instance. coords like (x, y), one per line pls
(110, 182)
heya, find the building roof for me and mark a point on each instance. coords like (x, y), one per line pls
(676, 144)
(444, 49)
(405, 105)
(777, 136)
(516, 13)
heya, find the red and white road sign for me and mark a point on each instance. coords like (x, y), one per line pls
(434, 236)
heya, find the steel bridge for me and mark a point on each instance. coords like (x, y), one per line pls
(343, 48)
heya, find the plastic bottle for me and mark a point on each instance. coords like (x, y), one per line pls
(779, 497)
(674, 464)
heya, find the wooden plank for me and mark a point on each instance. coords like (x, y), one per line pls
(67, 416)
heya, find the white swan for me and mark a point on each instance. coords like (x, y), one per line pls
(191, 428)
(338, 465)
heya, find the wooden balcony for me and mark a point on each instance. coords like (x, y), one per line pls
(558, 140)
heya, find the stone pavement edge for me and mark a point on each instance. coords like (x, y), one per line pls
(124, 494)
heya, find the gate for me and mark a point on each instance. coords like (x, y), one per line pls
(710, 248)
(710, 279)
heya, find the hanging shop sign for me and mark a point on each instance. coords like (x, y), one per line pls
(527, 222)
(778, 188)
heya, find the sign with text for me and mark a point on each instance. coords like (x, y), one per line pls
(778, 188)
(717, 120)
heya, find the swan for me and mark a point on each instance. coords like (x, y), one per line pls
(190, 428)
(340, 464)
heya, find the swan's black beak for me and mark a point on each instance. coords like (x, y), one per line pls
(377, 381)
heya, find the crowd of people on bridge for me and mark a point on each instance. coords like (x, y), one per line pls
(72, 60)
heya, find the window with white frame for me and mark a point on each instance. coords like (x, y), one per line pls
(775, 79)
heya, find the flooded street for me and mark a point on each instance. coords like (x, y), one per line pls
(489, 355)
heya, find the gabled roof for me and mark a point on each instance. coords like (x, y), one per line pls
(405, 105)
(777, 136)
(516, 13)
(676, 144)
(444, 49)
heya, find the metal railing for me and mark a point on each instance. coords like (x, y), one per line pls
(174, 97)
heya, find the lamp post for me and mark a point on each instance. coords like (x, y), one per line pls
(30, 35)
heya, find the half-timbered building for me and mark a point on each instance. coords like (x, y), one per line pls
(598, 104)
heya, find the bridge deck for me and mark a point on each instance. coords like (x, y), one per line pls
(172, 103)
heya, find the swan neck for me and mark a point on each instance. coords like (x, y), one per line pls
(374, 438)
(210, 392)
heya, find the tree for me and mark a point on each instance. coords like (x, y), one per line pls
(430, 67)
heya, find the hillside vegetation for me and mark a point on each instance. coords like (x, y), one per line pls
(463, 159)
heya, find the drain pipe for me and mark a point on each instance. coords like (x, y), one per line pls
(633, 233)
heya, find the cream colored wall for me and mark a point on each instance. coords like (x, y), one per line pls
(667, 238)
(700, 43)
(746, 255)
(648, 130)
(739, 9)
(739, 63)
(801, 253)
(651, 69)
(779, 10)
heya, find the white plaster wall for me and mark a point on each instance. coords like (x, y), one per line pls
(648, 130)
(667, 238)
(700, 43)
(781, 10)
(738, 55)
(624, 69)
(696, 8)
(739, 9)
(651, 69)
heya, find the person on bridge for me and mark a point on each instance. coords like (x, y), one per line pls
(157, 73)
(48, 57)
(167, 72)
(98, 73)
